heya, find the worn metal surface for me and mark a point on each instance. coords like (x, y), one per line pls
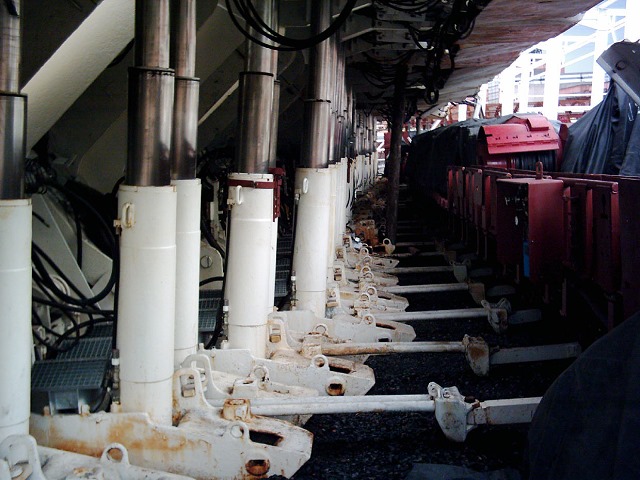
(342, 405)
(535, 354)
(387, 348)
(503, 412)
(198, 443)
(433, 315)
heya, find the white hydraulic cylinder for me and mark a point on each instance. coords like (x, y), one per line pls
(146, 305)
(187, 268)
(249, 271)
(341, 201)
(310, 251)
(333, 215)
(15, 317)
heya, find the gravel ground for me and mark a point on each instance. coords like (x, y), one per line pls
(386, 445)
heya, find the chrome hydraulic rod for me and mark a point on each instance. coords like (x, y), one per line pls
(336, 405)
(256, 103)
(415, 244)
(150, 109)
(402, 270)
(13, 106)
(418, 254)
(458, 313)
(317, 108)
(187, 87)
(434, 288)
(383, 348)
(455, 415)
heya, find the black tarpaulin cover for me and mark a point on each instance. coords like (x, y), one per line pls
(607, 139)
(432, 151)
(587, 426)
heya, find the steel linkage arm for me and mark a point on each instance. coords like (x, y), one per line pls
(457, 415)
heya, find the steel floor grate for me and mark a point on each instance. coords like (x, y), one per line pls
(56, 375)
(208, 311)
(87, 348)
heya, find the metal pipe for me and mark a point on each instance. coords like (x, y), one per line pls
(256, 103)
(150, 119)
(15, 236)
(275, 109)
(415, 244)
(184, 38)
(317, 114)
(185, 109)
(152, 33)
(275, 113)
(433, 288)
(393, 167)
(184, 143)
(433, 315)
(402, 270)
(147, 219)
(334, 405)
(10, 46)
(383, 348)
(419, 254)
(13, 106)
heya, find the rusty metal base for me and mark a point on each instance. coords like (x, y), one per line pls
(202, 443)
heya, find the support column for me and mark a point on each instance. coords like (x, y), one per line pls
(631, 24)
(147, 219)
(183, 178)
(15, 237)
(313, 180)
(597, 77)
(553, 49)
(250, 275)
(462, 112)
(247, 276)
(507, 81)
(393, 168)
(523, 87)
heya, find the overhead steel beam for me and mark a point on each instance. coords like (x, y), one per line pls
(76, 64)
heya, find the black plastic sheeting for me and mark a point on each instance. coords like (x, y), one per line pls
(607, 139)
(587, 426)
(432, 151)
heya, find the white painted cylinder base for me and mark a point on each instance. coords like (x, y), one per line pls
(249, 272)
(187, 268)
(310, 251)
(15, 317)
(350, 189)
(146, 307)
(333, 214)
(341, 199)
(273, 266)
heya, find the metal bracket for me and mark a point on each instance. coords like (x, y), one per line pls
(477, 353)
(451, 411)
(498, 314)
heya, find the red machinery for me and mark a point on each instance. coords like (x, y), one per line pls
(519, 143)
(529, 227)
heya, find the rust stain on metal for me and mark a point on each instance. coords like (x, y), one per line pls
(258, 468)
(475, 351)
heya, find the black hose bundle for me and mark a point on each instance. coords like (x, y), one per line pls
(246, 10)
